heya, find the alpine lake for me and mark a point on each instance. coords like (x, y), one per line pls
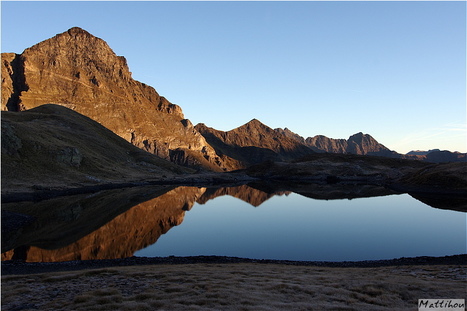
(304, 222)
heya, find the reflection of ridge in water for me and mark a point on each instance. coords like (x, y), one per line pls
(451, 202)
(135, 226)
(245, 193)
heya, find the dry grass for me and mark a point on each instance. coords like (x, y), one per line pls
(244, 286)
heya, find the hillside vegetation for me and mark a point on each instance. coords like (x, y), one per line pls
(54, 147)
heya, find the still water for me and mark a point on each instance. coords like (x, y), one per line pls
(295, 227)
(316, 225)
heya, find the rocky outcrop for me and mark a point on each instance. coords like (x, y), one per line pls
(80, 71)
(253, 143)
(10, 72)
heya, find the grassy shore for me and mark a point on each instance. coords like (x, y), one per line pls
(234, 286)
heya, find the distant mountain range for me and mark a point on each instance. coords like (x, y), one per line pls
(79, 71)
(365, 144)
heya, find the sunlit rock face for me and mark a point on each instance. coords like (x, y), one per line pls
(133, 229)
(80, 71)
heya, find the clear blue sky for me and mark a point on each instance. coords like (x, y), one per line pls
(395, 70)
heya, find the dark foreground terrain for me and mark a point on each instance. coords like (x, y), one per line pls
(213, 283)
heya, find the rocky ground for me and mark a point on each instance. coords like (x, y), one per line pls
(209, 283)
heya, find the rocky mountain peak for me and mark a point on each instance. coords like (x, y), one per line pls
(364, 144)
(78, 55)
(74, 31)
(80, 71)
(252, 143)
(253, 124)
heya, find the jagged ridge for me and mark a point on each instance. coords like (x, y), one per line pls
(253, 143)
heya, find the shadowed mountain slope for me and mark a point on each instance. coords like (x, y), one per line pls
(359, 143)
(365, 144)
(53, 146)
(437, 156)
(253, 143)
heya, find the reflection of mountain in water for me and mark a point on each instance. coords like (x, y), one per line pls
(450, 202)
(245, 193)
(141, 225)
(116, 223)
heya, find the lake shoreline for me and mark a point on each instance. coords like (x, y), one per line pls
(43, 192)
(14, 267)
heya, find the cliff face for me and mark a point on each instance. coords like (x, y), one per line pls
(253, 143)
(79, 71)
(9, 61)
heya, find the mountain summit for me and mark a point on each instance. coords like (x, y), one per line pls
(253, 143)
(359, 143)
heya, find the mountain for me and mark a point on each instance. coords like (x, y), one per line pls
(437, 156)
(322, 143)
(80, 71)
(253, 143)
(363, 144)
